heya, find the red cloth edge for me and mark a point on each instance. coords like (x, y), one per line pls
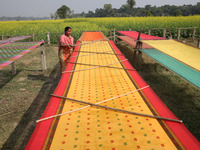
(20, 54)
(180, 131)
(134, 35)
(42, 128)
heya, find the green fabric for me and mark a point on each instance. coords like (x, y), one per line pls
(11, 50)
(183, 70)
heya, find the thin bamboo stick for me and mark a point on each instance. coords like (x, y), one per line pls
(97, 52)
(100, 66)
(88, 54)
(121, 110)
(115, 109)
(106, 38)
(94, 67)
(43, 119)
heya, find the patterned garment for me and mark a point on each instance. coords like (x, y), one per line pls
(64, 56)
(64, 52)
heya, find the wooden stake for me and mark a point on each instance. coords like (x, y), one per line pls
(139, 53)
(48, 38)
(137, 46)
(178, 33)
(170, 34)
(13, 68)
(114, 35)
(164, 32)
(193, 34)
(33, 37)
(44, 66)
(149, 31)
(198, 44)
(139, 34)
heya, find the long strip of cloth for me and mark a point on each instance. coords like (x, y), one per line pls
(97, 128)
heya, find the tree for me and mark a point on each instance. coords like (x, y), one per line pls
(108, 10)
(90, 14)
(131, 4)
(177, 12)
(124, 10)
(63, 12)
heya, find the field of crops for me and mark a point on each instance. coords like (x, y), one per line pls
(40, 28)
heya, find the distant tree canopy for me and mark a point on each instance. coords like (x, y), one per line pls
(131, 4)
(128, 10)
(125, 10)
(63, 12)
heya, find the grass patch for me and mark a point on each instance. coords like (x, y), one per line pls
(181, 97)
(24, 96)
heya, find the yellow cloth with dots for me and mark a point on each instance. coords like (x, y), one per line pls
(98, 128)
(182, 52)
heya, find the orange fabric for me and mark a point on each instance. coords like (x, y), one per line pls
(92, 36)
(64, 56)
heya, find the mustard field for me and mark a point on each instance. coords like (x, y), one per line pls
(78, 25)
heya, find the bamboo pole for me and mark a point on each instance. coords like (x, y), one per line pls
(88, 54)
(97, 52)
(101, 66)
(121, 110)
(43, 119)
(91, 42)
(94, 67)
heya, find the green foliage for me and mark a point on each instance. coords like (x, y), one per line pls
(63, 12)
(40, 28)
(131, 4)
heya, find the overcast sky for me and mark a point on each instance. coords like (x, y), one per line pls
(41, 8)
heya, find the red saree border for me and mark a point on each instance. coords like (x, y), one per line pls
(42, 128)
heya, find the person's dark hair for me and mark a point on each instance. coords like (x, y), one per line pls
(67, 28)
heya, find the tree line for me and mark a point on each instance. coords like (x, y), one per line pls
(128, 10)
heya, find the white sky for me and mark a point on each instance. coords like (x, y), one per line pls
(41, 8)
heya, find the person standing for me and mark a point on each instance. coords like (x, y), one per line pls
(65, 48)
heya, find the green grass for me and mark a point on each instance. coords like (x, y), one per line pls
(24, 96)
(181, 97)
